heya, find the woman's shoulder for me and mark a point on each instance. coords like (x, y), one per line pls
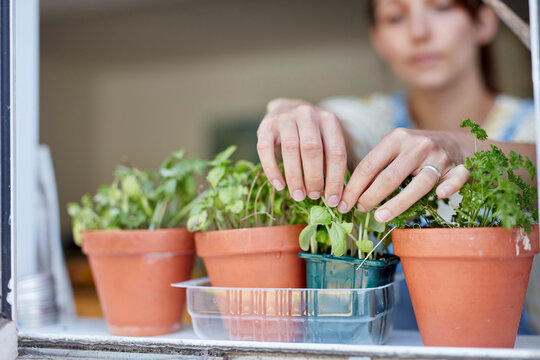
(376, 103)
(386, 109)
(366, 120)
(512, 119)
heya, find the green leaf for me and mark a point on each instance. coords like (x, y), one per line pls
(131, 187)
(178, 171)
(277, 206)
(178, 155)
(478, 132)
(86, 201)
(347, 227)
(337, 239)
(198, 166)
(189, 186)
(531, 169)
(360, 217)
(223, 157)
(114, 194)
(236, 207)
(215, 175)
(243, 166)
(306, 236)
(170, 187)
(197, 221)
(374, 225)
(323, 237)
(73, 209)
(237, 192)
(225, 195)
(318, 215)
(77, 232)
(365, 245)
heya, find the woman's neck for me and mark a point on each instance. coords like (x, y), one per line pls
(444, 109)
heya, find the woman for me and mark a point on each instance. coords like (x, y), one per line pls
(435, 48)
(438, 49)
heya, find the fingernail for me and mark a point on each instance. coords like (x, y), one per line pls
(382, 215)
(314, 195)
(278, 185)
(298, 195)
(445, 190)
(333, 201)
(342, 207)
(361, 208)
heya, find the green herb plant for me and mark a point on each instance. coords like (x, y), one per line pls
(139, 199)
(352, 234)
(240, 196)
(494, 196)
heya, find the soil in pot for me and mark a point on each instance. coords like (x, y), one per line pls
(264, 257)
(133, 271)
(351, 317)
(467, 285)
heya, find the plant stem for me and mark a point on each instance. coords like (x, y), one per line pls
(186, 209)
(256, 200)
(272, 202)
(328, 208)
(255, 178)
(159, 212)
(375, 247)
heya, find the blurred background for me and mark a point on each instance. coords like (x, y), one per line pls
(133, 80)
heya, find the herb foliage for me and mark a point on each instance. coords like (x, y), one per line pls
(240, 196)
(139, 199)
(494, 196)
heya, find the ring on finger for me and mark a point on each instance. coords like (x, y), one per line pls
(434, 169)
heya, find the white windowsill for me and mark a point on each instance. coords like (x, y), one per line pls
(92, 334)
(8, 339)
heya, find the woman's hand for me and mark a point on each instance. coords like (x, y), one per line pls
(400, 153)
(312, 146)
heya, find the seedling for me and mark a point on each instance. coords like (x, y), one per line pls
(240, 196)
(330, 232)
(139, 199)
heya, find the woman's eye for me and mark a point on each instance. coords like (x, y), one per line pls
(393, 17)
(443, 5)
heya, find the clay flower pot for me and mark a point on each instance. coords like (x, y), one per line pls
(264, 257)
(133, 271)
(467, 285)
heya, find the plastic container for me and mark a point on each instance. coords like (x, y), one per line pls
(330, 272)
(290, 315)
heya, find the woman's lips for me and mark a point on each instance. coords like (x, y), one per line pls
(425, 60)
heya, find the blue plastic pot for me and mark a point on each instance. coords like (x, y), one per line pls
(355, 316)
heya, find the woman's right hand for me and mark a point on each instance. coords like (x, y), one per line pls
(312, 143)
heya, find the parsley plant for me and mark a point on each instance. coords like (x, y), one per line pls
(494, 196)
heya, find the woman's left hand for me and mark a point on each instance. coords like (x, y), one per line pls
(400, 153)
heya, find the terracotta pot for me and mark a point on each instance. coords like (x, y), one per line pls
(467, 285)
(133, 271)
(264, 257)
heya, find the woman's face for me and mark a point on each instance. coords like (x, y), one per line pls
(430, 43)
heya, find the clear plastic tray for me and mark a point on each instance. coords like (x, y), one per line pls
(339, 316)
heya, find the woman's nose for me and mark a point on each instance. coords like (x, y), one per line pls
(419, 27)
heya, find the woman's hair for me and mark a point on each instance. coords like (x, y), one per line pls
(486, 59)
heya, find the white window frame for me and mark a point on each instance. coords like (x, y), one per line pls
(8, 329)
(117, 347)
